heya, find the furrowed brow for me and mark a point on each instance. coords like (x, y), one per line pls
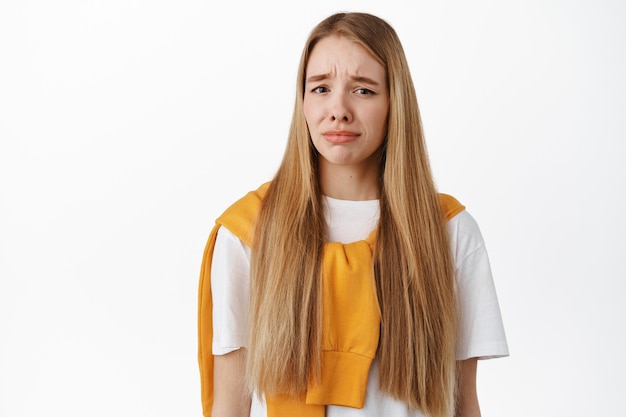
(365, 80)
(317, 78)
(357, 78)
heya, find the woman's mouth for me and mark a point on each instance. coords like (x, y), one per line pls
(340, 136)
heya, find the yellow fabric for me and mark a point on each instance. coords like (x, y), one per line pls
(351, 316)
(350, 325)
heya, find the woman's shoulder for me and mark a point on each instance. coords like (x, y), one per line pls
(464, 235)
(450, 206)
(240, 217)
(461, 225)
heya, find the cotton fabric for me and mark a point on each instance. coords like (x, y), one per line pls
(480, 323)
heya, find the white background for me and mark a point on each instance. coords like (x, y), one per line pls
(127, 126)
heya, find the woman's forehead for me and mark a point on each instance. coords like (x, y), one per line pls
(338, 55)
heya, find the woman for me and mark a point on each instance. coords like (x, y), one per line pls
(365, 293)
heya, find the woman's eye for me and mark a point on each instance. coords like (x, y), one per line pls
(320, 89)
(363, 91)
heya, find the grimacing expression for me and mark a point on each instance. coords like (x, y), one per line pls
(346, 102)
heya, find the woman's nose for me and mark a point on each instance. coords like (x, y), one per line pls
(340, 108)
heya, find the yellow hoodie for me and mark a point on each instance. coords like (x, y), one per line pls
(351, 317)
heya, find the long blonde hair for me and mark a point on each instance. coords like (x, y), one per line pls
(412, 264)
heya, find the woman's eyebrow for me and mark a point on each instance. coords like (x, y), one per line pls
(357, 78)
(317, 78)
(366, 80)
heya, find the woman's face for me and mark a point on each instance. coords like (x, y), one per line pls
(346, 103)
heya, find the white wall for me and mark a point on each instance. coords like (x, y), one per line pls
(126, 127)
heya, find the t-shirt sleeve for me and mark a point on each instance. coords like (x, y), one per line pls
(230, 281)
(481, 331)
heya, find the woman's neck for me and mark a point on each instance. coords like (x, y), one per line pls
(348, 182)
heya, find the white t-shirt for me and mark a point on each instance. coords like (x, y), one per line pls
(480, 323)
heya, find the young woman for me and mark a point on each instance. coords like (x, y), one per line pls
(347, 286)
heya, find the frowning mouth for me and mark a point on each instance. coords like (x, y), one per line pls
(340, 136)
